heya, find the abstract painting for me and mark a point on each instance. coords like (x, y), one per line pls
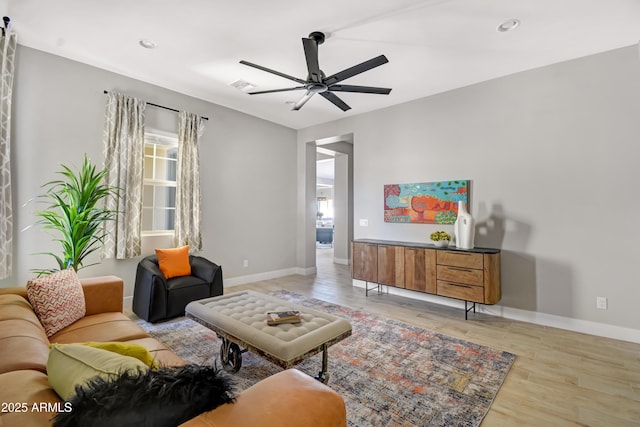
(424, 203)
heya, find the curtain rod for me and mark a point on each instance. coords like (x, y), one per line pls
(163, 107)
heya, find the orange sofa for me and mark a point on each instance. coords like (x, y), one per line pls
(289, 398)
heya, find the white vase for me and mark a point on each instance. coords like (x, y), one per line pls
(464, 228)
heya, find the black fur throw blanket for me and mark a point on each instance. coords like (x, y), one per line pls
(164, 397)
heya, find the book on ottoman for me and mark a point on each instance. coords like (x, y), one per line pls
(277, 317)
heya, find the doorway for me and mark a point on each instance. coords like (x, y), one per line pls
(334, 200)
(325, 212)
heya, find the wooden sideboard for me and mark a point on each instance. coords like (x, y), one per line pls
(472, 275)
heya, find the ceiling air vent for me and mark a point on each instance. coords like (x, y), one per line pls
(242, 85)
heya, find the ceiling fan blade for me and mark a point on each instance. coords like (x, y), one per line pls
(336, 101)
(307, 96)
(355, 70)
(269, 70)
(260, 92)
(311, 55)
(360, 89)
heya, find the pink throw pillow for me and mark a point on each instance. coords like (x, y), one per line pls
(57, 299)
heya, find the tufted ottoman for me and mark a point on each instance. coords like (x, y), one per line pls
(240, 320)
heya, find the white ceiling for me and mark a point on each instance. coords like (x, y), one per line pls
(432, 45)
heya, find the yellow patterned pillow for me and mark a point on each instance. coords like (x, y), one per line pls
(57, 299)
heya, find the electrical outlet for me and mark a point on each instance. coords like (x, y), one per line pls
(601, 303)
(364, 223)
(246, 263)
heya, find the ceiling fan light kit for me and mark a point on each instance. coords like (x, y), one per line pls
(318, 83)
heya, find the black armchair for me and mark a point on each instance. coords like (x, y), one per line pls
(156, 298)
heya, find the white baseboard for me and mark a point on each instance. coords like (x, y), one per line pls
(414, 295)
(242, 280)
(537, 318)
(561, 322)
(341, 261)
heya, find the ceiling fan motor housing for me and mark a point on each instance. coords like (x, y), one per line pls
(317, 87)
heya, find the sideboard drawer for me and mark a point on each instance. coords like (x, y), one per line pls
(460, 259)
(460, 291)
(467, 276)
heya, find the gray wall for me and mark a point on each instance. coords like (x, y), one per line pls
(58, 116)
(552, 154)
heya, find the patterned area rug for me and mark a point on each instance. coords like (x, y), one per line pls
(388, 372)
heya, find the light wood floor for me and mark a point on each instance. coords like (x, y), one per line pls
(559, 378)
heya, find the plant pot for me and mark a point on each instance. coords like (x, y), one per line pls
(441, 243)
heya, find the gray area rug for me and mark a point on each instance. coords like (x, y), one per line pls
(388, 372)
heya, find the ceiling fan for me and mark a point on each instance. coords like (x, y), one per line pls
(317, 82)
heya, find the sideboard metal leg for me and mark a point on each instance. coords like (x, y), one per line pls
(378, 286)
(468, 309)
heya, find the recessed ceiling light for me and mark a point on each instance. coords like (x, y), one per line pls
(147, 44)
(508, 25)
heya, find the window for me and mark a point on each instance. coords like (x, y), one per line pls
(325, 208)
(159, 188)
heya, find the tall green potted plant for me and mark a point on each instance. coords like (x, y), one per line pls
(75, 214)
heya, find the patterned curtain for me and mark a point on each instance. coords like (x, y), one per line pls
(7, 52)
(124, 158)
(187, 224)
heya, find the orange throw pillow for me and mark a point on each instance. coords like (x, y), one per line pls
(174, 262)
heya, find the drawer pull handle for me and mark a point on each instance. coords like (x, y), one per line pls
(461, 269)
(460, 286)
